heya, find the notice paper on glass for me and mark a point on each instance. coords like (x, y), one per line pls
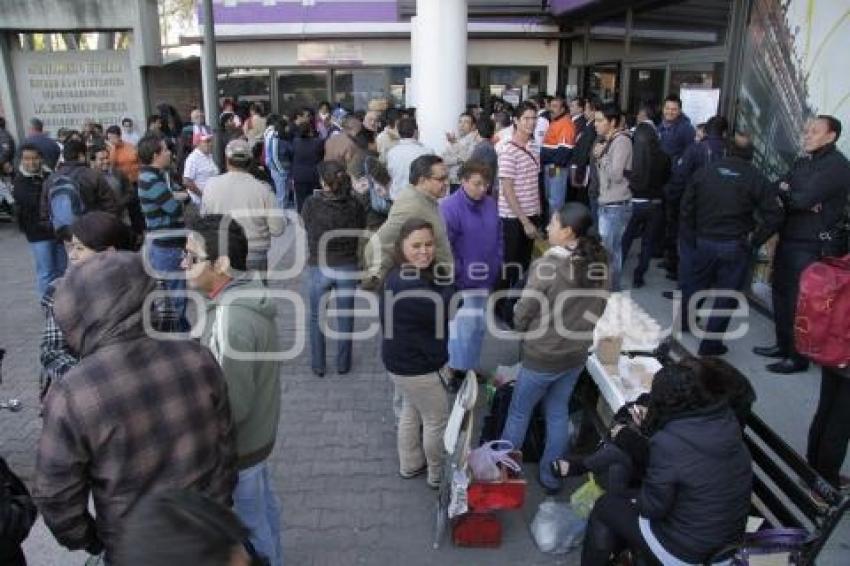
(699, 103)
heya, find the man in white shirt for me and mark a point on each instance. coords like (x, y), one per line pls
(248, 201)
(400, 156)
(460, 147)
(199, 168)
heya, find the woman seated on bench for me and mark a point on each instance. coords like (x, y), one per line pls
(695, 495)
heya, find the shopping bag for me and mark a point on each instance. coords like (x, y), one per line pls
(556, 527)
(584, 498)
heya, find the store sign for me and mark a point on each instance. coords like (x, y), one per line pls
(64, 89)
(330, 53)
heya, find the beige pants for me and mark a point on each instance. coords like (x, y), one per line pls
(426, 403)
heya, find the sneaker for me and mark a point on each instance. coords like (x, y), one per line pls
(414, 473)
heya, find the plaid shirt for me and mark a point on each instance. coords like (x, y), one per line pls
(135, 416)
(55, 354)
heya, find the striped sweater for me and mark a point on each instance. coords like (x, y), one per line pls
(159, 207)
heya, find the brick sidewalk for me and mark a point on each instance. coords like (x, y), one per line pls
(335, 463)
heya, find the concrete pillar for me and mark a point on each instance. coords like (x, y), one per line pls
(415, 53)
(440, 69)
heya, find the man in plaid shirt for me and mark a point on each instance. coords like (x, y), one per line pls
(137, 415)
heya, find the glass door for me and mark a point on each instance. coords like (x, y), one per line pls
(646, 88)
(297, 88)
(602, 81)
(354, 88)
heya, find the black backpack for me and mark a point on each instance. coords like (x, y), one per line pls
(494, 423)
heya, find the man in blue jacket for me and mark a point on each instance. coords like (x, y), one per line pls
(676, 134)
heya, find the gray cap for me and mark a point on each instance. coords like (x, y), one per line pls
(238, 149)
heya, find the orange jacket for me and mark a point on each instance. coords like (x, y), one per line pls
(559, 141)
(125, 159)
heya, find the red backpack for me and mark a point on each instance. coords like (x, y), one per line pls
(822, 324)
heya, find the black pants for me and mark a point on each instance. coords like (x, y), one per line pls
(646, 217)
(791, 258)
(517, 250)
(302, 191)
(830, 429)
(672, 205)
(613, 468)
(612, 528)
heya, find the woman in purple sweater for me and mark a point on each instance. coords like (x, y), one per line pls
(475, 234)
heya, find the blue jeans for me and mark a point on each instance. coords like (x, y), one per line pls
(281, 186)
(321, 281)
(166, 260)
(466, 331)
(613, 220)
(646, 217)
(721, 265)
(257, 506)
(50, 262)
(555, 390)
(555, 180)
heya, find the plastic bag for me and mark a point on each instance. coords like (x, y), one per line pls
(584, 498)
(484, 461)
(458, 504)
(557, 528)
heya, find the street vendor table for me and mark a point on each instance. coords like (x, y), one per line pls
(640, 332)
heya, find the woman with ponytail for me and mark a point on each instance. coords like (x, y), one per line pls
(565, 294)
(332, 259)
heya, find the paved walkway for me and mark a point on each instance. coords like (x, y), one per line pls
(335, 464)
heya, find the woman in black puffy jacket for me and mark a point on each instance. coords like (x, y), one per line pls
(695, 495)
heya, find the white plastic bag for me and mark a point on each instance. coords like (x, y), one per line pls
(484, 461)
(556, 528)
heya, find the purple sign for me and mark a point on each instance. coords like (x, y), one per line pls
(319, 11)
(558, 7)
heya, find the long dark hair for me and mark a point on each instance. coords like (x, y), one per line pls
(677, 389)
(410, 226)
(645, 146)
(335, 176)
(589, 250)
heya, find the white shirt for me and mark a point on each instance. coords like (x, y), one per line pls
(505, 135)
(540, 128)
(399, 158)
(200, 168)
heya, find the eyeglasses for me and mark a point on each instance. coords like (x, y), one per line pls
(191, 258)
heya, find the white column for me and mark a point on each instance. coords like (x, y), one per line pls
(415, 55)
(439, 71)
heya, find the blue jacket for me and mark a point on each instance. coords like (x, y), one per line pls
(475, 234)
(676, 136)
(695, 156)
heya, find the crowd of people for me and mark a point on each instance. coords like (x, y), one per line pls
(529, 212)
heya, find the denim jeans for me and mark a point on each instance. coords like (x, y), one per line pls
(281, 187)
(466, 331)
(555, 390)
(720, 265)
(50, 262)
(555, 180)
(613, 220)
(321, 281)
(646, 217)
(257, 506)
(166, 260)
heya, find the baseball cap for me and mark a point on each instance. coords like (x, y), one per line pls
(238, 149)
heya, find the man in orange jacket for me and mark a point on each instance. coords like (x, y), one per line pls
(122, 154)
(557, 148)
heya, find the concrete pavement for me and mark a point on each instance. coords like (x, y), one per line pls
(335, 464)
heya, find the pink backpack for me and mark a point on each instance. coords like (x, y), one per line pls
(822, 323)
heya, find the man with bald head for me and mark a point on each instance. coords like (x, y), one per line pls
(814, 194)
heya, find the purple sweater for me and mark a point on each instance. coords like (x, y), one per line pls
(475, 233)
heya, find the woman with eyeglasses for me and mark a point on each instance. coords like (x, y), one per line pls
(90, 234)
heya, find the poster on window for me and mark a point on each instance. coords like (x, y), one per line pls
(65, 88)
(790, 74)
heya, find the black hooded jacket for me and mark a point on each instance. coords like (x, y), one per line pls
(696, 492)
